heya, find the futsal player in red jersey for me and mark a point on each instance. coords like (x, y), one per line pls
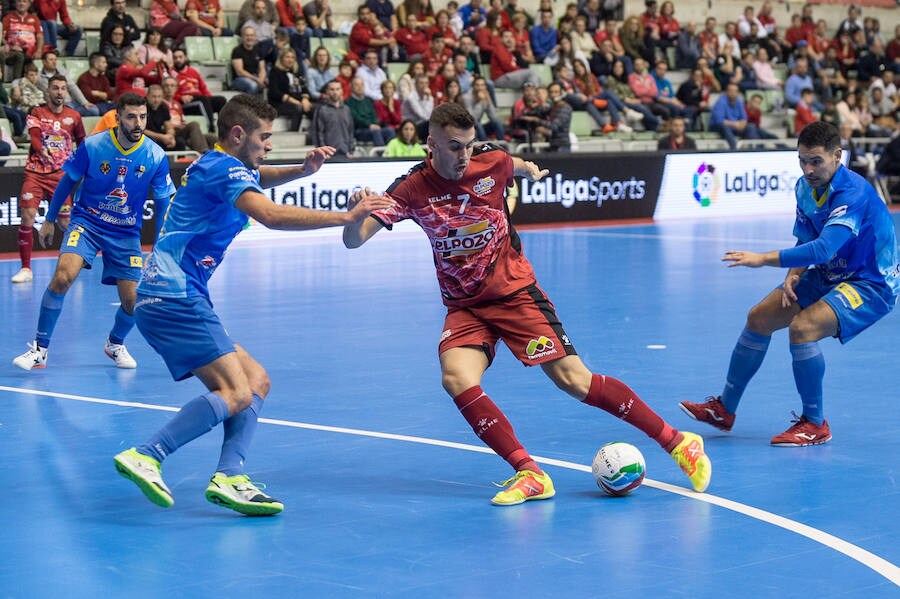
(55, 129)
(457, 195)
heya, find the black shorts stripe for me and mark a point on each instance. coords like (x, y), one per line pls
(549, 313)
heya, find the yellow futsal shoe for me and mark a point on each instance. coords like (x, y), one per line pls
(691, 458)
(524, 486)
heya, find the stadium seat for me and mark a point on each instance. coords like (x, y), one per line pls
(544, 72)
(89, 123)
(74, 66)
(91, 42)
(395, 70)
(582, 124)
(222, 47)
(336, 46)
(199, 119)
(199, 49)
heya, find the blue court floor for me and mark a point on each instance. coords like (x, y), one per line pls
(387, 489)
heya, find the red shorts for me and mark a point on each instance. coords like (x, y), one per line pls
(526, 322)
(38, 187)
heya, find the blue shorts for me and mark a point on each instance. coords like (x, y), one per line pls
(184, 331)
(122, 257)
(857, 303)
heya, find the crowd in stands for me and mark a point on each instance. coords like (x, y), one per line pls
(586, 56)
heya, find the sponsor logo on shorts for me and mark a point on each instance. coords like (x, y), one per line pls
(540, 347)
(484, 185)
(446, 334)
(851, 296)
(136, 261)
(147, 301)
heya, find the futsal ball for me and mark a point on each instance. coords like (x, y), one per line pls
(619, 468)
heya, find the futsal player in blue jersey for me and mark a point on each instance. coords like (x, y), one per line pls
(117, 170)
(174, 313)
(843, 276)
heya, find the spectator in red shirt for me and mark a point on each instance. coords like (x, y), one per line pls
(134, 77)
(345, 78)
(192, 92)
(893, 49)
(166, 15)
(709, 40)
(412, 38)
(389, 109)
(805, 114)
(507, 68)
(48, 10)
(23, 36)
(442, 25)
(207, 15)
(437, 55)
(362, 36)
(94, 84)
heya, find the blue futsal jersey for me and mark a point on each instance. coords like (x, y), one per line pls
(871, 253)
(200, 224)
(115, 183)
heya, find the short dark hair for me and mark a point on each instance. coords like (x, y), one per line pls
(95, 56)
(50, 50)
(820, 134)
(451, 114)
(245, 111)
(58, 77)
(130, 99)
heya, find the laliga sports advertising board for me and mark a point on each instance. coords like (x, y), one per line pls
(728, 184)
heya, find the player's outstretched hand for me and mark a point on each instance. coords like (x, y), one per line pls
(739, 258)
(533, 172)
(788, 295)
(316, 158)
(364, 202)
(45, 235)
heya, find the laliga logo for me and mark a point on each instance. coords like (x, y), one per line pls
(705, 184)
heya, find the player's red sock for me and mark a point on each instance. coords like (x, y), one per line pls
(26, 240)
(617, 398)
(493, 428)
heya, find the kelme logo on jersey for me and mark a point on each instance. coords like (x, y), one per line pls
(461, 241)
(705, 184)
(484, 185)
(540, 347)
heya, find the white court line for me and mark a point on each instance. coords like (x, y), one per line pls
(730, 240)
(866, 558)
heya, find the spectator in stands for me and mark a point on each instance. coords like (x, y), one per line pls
(388, 108)
(632, 35)
(688, 47)
(23, 37)
(193, 92)
(582, 100)
(807, 20)
(371, 74)
(643, 87)
(116, 16)
(507, 68)
(466, 12)
(190, 130)
(695, 97)
(48, 10)
(617, 83)
(437, 55)
(362, 35)
(873, 63)
(796, 32)
(245, 13)
(856, 161)
(15, 116)
(406, 144)
(287, 90)
(543, 36)
(589, 85)
(442, 26)
(166, 15)
(479, 103)
(26, 93)
(320, 19)
(154, 48)
(114, 50)
(527, 112)
(753, 110)
(882, 108)
(709, 40)
(438, 82)
(421, 8)
(95, 86)
(473, 58)
(74, 98)
(163, 130)
(407, 81)
(601, 61)
(676, 140)
(418, 105)
(366, 124)
(455, 20)
(344, 77)
(488, 36)
(384, 12)
(804, 111)
(846, 53)
(852, 22)
(747, 80)
(556, 125)
(830, 81)
(669, 28)
(332, 123)
(565, 54)
(413, 38)
(132, 76)
(799, 80)
(729, 117)
(893, 50)
(248, 66)
(208, 16)
(264, 29)
(319, 72)
(764, 74)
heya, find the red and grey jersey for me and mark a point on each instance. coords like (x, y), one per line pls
(477, 253)
(58, 134)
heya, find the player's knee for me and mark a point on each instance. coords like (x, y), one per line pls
(803, 330)
(61, 282)
(260, 383)
(239, 400)
(758, 320)
(454, 383)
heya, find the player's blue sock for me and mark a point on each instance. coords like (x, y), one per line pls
(196, 417)
(239, 431)
(746, 359)
(809, 370)
(122, 325)
(51, 307)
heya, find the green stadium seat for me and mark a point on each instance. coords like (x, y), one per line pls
(199, 49)
(544, 72)
(199, 119)
(395, 70)
(222, 47)
(582, 124)
(336, 46)
(74, 66)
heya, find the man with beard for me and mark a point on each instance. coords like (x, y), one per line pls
(54, 129)
(115, 172)
(193, 93)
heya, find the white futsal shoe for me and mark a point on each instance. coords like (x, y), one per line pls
(34, 358)
(23, 276)
(119, 355)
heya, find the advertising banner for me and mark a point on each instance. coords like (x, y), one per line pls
(728, 184)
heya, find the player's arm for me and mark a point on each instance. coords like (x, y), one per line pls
(817, 251)
(295, 218)
(63, 189)
(272, 176)
(528, 169)
(359, 232)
